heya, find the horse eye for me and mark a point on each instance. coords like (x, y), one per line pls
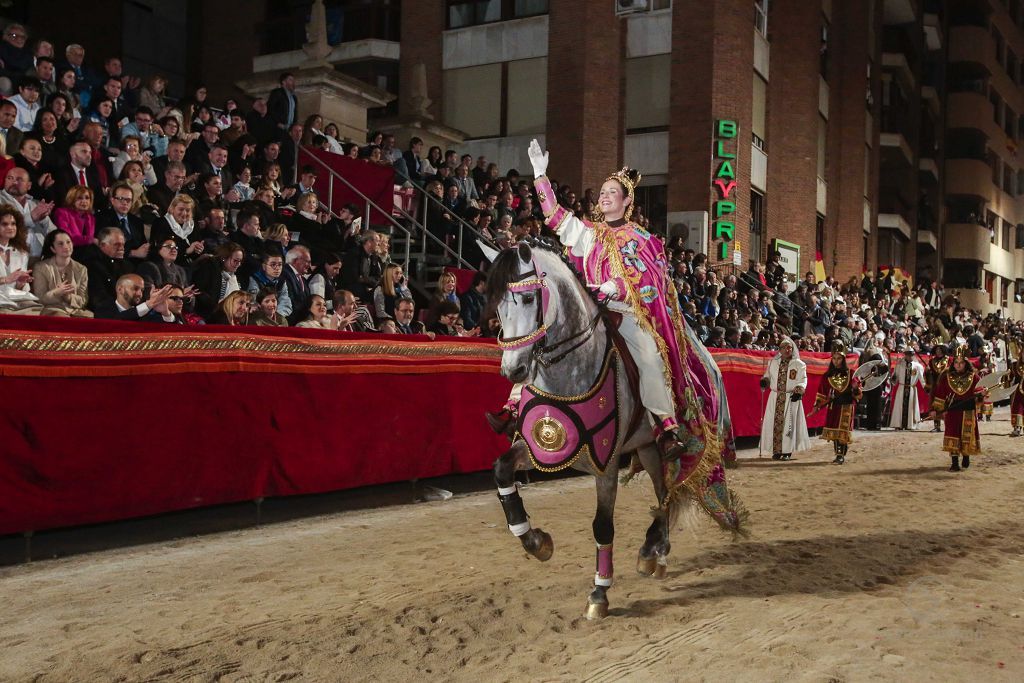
(528, 298)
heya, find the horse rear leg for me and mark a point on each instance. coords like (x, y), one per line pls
(604, 535)
(652, 560)
(535, 541)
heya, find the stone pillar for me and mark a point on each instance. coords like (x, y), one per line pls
(586, 54)
(423, 24)
(848, 139)
(711, 80)
(795, 29)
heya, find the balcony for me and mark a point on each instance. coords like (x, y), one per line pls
(898, 64)
(974, 111)
(967, 241)
(894, 221)
(895, 149)
(821, 197)
(933, 31)
(758, 168)
(973, 44)
(930, 95)
(927, 238)
(970, 178)
(899, 12)
(929, 170)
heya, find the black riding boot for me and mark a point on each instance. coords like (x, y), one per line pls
(838, 448)
(955, 467)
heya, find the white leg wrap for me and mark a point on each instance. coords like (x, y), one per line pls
(506, 491)
(601, 581)
(519, 529)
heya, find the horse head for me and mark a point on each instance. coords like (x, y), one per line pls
(535, 294)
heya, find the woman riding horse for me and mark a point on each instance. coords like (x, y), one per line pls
(627, 266)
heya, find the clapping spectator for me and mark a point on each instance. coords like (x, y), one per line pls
(15, 277)
(76, 216)
(60, 283)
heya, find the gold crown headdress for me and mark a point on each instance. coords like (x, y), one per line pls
(838, 347)
(960, 353)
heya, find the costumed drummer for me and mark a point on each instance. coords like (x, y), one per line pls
(937, 364)
(956, 395)
(784, 425)
(906, 409)
(1015, 375)
(626, 265)
(873, 399)
(839, 392)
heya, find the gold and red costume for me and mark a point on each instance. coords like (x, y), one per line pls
(986, 366)
(936, 366)
(952, 387)
(841, 391)
(1016, 376)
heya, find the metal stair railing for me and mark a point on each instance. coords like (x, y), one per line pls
(407, 234)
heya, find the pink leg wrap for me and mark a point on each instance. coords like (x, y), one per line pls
(604, 565)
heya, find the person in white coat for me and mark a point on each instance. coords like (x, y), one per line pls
(906, 411)
(784, 426)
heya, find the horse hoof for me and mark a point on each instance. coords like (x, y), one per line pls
(546, 548)
(646, 566)
(660, 571)
(596, 610)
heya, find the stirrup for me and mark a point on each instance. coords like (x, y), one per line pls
(670, 447)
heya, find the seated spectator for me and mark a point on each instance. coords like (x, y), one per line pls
(177, 225)
(119, 215)
(214, 232)
(269, 277)
(234, 309)
(405, 310)
(297, 264)
(128, 303)
(209, 195)
(473, 301)
(447, 322)
(170, 311)
(132, 175)
(36, 215)
(312, 226)
(276, 236)
(388, 325)
(266, 314)
(444, 293)
(15, 277)
(76, 217)
(27, 102)
(247, 236)
(214, 277)
(52, 139)
(173, 183)
(106, 263)
(131, 150)
(324, 281)
(30, 158)
(60, 283)
(318, 318)
(355, 318)
(242, 188)
(363, 268)
(162, 267)
(391, 289)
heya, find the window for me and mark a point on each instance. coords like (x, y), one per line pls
(756, 225)
(759, 128)
(993, 162)
(472, 99)
(462, 13)
(823, 52)
(1007, 236)
(822, 145)
(1020, 244)
(761, 17)
(647, 92)
(1010, 122)
(819, 234)
(497, 99)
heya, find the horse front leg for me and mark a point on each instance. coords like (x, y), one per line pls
(604, 535)
(535, 541)
(652, 560)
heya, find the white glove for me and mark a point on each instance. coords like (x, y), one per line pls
(538, 158)
(610, 290)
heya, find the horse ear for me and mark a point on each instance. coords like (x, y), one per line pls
(525, 255)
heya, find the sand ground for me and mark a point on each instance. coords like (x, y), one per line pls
(888, 568)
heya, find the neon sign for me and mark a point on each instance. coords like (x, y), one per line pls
(724, 186)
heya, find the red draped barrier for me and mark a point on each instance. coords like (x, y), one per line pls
(373, 180)
(106, 420)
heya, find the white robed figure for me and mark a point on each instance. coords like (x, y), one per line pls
(784, 425)
(906, 410)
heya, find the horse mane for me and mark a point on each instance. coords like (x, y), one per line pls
(505, 268)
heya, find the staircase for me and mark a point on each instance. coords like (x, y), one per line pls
(405, 225)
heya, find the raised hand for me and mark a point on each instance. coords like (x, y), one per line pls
(538, 158)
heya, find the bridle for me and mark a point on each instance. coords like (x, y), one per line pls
(533, 281)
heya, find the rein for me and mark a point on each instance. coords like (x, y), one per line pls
(533, 281)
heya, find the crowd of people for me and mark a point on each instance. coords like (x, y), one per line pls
(120, 202)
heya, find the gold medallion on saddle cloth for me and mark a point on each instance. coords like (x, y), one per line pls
(559, 430)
